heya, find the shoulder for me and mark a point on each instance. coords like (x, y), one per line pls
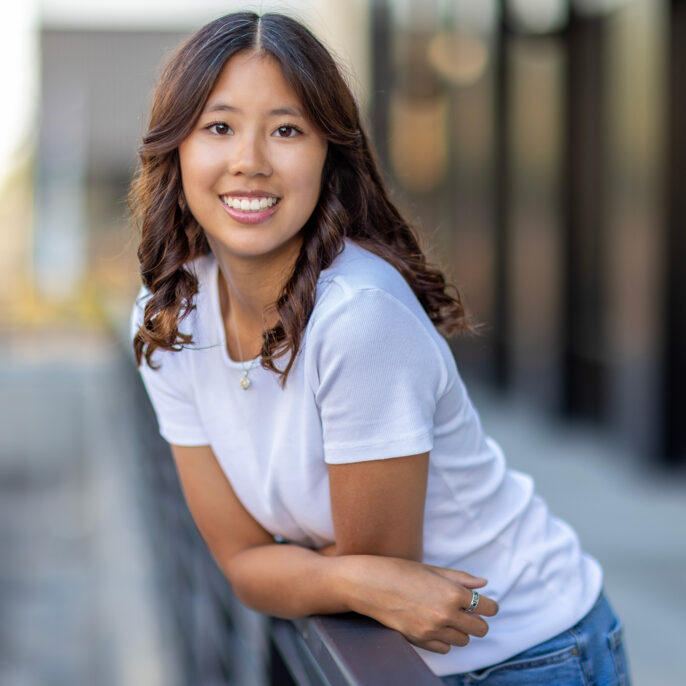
(359, 278)
(366, 313)
(357, 269)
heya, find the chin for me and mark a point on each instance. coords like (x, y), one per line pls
(258, 249)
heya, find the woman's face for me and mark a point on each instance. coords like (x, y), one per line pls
(251, 168)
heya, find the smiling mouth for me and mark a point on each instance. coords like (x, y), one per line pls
(249, 204)
(250, 210)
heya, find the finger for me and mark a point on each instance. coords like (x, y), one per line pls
(453, 636)
(434, 645)
(475, 582)
(469, 624)
(486, 607)
(459, 577)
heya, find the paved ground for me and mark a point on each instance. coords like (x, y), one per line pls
(77, 598)
(77, 606)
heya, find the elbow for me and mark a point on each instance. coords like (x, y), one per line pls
(260, 587)
(241, 578)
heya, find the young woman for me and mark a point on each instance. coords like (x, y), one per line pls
(287, 336)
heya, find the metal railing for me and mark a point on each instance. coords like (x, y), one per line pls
(346, 650)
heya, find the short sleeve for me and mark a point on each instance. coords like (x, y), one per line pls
(377, 373)
(170, 390)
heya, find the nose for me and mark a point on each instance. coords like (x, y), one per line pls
(249, 157)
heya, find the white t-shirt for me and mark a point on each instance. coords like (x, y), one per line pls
(373, 380)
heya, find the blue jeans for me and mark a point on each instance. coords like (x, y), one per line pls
(591, 653)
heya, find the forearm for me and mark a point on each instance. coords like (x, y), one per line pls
(291, 581)
(426, 604)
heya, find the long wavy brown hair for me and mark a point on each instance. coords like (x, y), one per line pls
(353, 202)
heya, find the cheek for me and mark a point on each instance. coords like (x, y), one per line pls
(199, 169)
(306, 175)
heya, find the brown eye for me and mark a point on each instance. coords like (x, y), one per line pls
(219, 128)
(287, 131)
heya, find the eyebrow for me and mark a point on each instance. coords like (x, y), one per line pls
(223, 107)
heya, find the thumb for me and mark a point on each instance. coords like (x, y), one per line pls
(462, 578)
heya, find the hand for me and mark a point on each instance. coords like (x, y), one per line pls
(424, 603)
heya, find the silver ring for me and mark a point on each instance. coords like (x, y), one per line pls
(474, 604)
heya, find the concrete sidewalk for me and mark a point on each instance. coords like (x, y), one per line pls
(78, 603)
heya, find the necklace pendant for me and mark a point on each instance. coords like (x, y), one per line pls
(245, 381)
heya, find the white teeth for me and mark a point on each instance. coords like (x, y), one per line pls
(248, 204)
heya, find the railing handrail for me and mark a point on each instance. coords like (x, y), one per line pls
(348, 650)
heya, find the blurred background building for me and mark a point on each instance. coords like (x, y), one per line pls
(538, 140)
(539, 145)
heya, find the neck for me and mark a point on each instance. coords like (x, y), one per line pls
(248, 291)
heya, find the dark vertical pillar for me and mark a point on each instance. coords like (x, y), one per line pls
(583, 221)
(501, 204)
(674, 448)
(381, 77)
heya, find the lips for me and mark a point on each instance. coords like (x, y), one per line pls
(250, 207)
